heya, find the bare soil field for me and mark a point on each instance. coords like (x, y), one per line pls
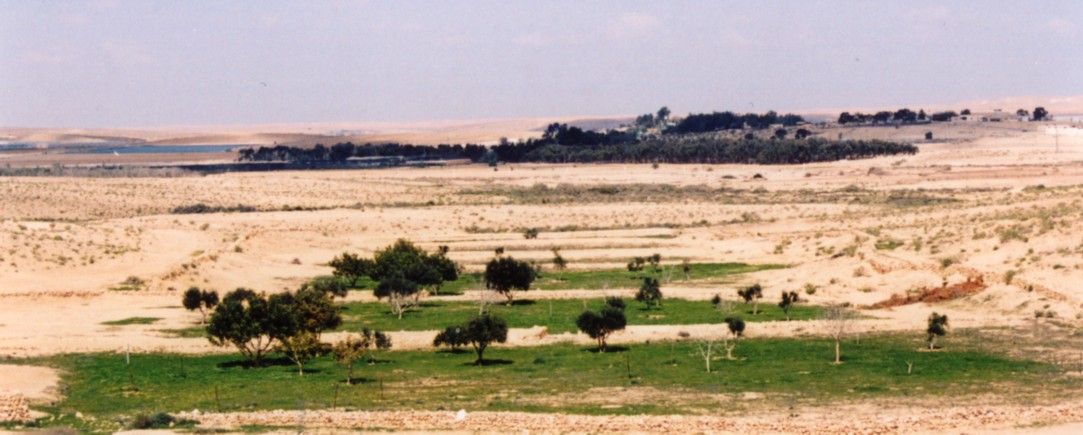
(997, 203)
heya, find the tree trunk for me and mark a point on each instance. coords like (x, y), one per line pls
(932, 341)
(349, 373)
(838, 352)
(481, 351)
(300, 368)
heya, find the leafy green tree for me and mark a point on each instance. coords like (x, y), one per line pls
(663, 114)
(452, 336)
(332, 285)
(347, 352)
(788, 299)
(399, 292)
(251, 322)
(1040, 114)
(505, 274)
(448, 269)
(314, 310)
(404, 269)
(736, 327)
(655, 260)
(481, 331)
(301, 348)
(351, 267)
(751, 295)
(650, 293)
(407, 261)
(600, 325)
(530, 233)
(938, 327)
(636, 264)
(202, 300)
(780, 133)
(351, 349)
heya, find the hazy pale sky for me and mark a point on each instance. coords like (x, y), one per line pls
(145, 63)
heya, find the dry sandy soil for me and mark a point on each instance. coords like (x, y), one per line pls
(1000, 202)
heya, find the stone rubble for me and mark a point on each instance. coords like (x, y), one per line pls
(14, 408)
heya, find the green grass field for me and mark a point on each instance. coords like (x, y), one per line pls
(701, 274)
(663, 377)
(558, 315)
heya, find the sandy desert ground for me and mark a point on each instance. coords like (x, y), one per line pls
(997, 203)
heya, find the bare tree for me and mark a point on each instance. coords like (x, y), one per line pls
(837, 320)
(704, 349)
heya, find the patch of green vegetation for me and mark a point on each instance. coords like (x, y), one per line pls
(133, 321)
(888, 244)
(558, 315)
(699, 274)
(192, 332)
(556, 378)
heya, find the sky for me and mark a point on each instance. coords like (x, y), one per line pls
(100, 64)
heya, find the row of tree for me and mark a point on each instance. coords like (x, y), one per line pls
(720, 121)
(907, 116)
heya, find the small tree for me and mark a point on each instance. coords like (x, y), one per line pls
(938, 326)
(301, 348)
(346, 353)
(447, 270)
(655, 261)
(788, 299)
(752, 294)
(837, 320)
(600, 325)
(452, 336)
(559, 263)
(663, 113)
(332, 285)
(1040, 114)
(313, 311)
(202, 300)
(399, 293)
(251, 322)
(686, 268)
(374, 342)
(505, 274)
(349, 351)
(736, 327)
(530, 233)
(481, 331)
(636, 264)
(351, 267)
(650, 293)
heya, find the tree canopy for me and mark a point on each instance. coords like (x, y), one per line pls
(504, 274)
(600, 325)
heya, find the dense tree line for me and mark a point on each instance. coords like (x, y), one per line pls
(718, 121)
(341, 151)
(692, 148)
(697, 138)
(901, 116)
(716, 149)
